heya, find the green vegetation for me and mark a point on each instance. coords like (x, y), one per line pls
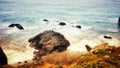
(102, 56)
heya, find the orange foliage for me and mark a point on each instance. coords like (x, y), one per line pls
(63, 58)
(48, 65)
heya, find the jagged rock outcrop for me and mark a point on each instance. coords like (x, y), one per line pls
(3, 57)
(48, 42)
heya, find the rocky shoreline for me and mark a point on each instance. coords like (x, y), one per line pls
(51, 50)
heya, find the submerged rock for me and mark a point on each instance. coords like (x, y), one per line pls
(3, 57)
(48, 42)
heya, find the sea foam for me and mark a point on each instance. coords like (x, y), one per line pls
(78, 38)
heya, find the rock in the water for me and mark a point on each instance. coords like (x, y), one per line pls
(62, 23)
(45, 20)
(78, 26)
(3, 57)
(11, 25)
(48, 42)
(19, 26)
(107, 37)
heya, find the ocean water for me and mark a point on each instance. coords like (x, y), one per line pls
(96, 18)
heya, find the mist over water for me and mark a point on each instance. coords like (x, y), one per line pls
(96, 18)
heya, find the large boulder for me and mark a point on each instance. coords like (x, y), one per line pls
(48, 42)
